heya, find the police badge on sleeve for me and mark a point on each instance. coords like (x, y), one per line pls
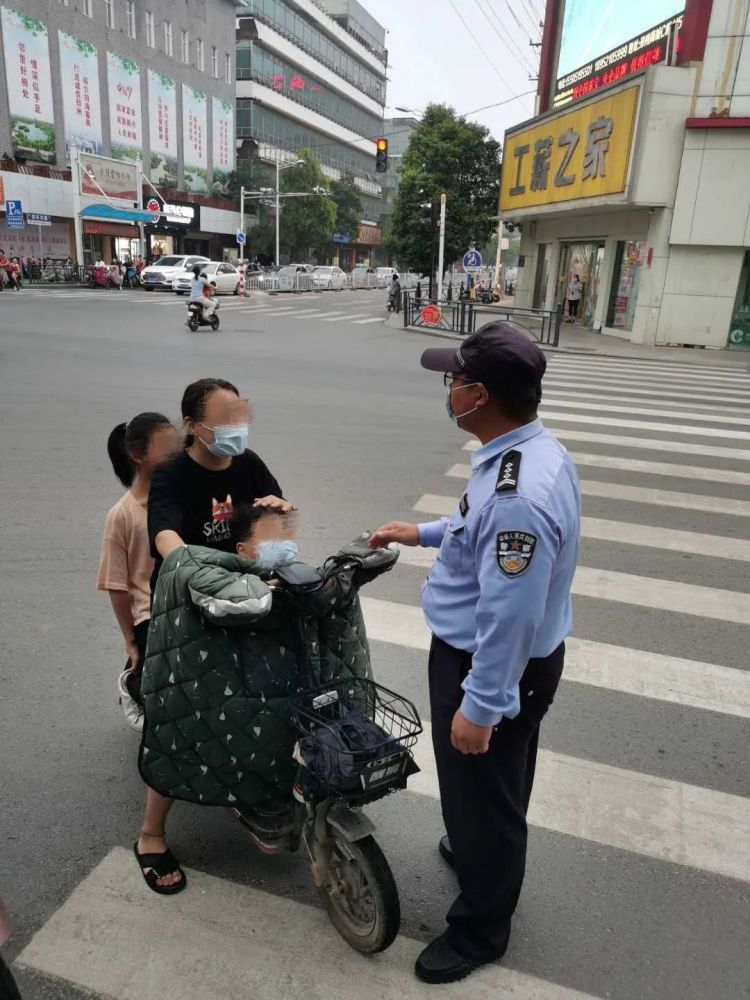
(515, 550)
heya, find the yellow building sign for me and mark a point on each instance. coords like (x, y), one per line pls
(581, 154)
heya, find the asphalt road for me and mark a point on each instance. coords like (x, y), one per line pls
(639, 867)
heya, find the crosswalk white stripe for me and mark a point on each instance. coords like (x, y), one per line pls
(707, 686)
(653, 374)
(594, 363)
(595, 420)
(609, 406)
(631, 465)
(372, 319)
(623, 532)
(329, 314)
(615, 440)
(665, 498)
(274, 312)
(351, 316)
(640, 591)
(656, 817)
(234, 933)
(627, 388)
(603, 401)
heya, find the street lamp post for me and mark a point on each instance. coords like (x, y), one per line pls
(279, 168)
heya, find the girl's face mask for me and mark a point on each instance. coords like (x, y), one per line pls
(276, 552)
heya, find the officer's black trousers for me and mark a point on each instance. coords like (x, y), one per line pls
(485, 798)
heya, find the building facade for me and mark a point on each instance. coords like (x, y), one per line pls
(314, 74)
(142, 81)
(634, 175)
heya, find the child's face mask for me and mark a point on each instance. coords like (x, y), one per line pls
(276, 552)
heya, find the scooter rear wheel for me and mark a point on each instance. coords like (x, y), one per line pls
(193, 323)
(361, 897)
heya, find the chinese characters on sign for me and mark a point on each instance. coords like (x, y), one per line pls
(124, 85)
(223, 142)
(579, 154)
(27, 72)
(81, 108)
(162, 100)
(100, 175)
(194, 127)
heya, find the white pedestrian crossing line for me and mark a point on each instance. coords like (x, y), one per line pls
(633, 465)
(607, 402)
(706, 686)
(641, 591)
(668, 820)
(595, 420)
(647, 411)
(234, 934)
(651, 372)
(627, 388)
(327, 315)
(351, 316)
(595, 364)
(372, 319)
(615, 440)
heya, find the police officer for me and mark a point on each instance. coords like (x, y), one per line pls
(498, 603)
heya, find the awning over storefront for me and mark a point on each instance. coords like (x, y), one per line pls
(103, 211)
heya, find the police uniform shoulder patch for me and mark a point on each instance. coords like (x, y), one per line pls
(515, 550)
(463, 505)
(510, 467)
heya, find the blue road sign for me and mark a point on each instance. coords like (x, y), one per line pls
(472, 260)
(14, 215)
(240, 237)
(38, 219)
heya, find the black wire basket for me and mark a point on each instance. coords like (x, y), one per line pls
(355, 738)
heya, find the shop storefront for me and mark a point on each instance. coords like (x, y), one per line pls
(177, 229)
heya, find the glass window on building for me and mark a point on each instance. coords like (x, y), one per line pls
(227, 68)
(625, 281)
(739, 332)
(109, 12)
(87, 8)
(150, 32)
(184, 47)
(130, 17)
(168, 38)
(199, 54)
(214, 62)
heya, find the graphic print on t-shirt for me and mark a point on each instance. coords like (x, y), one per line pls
(217, 529)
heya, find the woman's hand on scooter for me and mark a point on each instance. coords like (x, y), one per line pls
(394, 531)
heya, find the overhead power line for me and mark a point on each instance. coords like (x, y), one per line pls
(479, 45)
(508, 41)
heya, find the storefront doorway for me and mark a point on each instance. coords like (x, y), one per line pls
(585, 261)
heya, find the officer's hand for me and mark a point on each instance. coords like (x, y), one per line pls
(394, 531)
(468, 738)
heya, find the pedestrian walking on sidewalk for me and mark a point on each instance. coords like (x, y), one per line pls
(574, 293)
(497, 601)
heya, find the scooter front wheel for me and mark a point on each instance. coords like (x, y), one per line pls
(360, 896)
(214, 322)
(193, 323)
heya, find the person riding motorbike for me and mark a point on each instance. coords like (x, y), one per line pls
(197, 293)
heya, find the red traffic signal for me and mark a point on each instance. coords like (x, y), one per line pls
(381, 155)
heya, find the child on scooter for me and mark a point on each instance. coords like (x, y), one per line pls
(125, 567)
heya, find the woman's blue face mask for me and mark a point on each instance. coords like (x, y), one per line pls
(229, 440)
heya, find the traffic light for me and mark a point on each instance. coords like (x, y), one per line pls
(381, 155)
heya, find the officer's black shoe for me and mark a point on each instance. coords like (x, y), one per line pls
(440, 963)
(446, 851)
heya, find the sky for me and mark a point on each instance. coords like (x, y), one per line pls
(433, 57)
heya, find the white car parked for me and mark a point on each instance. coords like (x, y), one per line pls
(166, 269)
(329, 277)
(226, 276)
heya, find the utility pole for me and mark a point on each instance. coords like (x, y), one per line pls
(76, 178)
(434, 214)
(242, 223)
(441, 251)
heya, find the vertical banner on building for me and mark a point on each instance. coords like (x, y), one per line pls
(195, 153)
(124, 89)
(223, 144)
(162, 102)
(79, 72)
(29, 82)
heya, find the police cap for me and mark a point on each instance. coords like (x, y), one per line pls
(499, 356)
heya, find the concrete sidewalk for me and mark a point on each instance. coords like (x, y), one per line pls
(575, 340)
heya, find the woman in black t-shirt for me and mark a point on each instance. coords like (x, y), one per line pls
(191, 503)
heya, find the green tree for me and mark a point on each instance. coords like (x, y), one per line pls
(307, 224)
(261, 242)
(445, 154)
(348, 200)
(252, 174)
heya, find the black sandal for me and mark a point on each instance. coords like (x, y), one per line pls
(156, 866)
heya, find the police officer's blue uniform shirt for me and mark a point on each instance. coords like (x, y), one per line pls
(500, 587)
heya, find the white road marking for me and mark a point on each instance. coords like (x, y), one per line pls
(666, 498)
(615, 440)
(648, 370)
(233, 934)
(352, 316)
(602, 401)
(647, 411)
(372, 319)
(628, 388)
(595, 420)
(707, 686)
(631, 465)
(589, 362)
(656, 817)
(329, 314)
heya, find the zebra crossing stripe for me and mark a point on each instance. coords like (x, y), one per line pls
(656, 817)
(628, 388)
(615, 440)
(645, 425)
(632, 465)
(372, 319)
(651, 372)
(603, 401)
(706, 686)
(635, 410)
(233, 933)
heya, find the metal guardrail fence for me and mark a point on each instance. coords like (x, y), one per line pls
(463, 317)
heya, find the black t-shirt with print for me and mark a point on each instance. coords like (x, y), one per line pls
(197, 502)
